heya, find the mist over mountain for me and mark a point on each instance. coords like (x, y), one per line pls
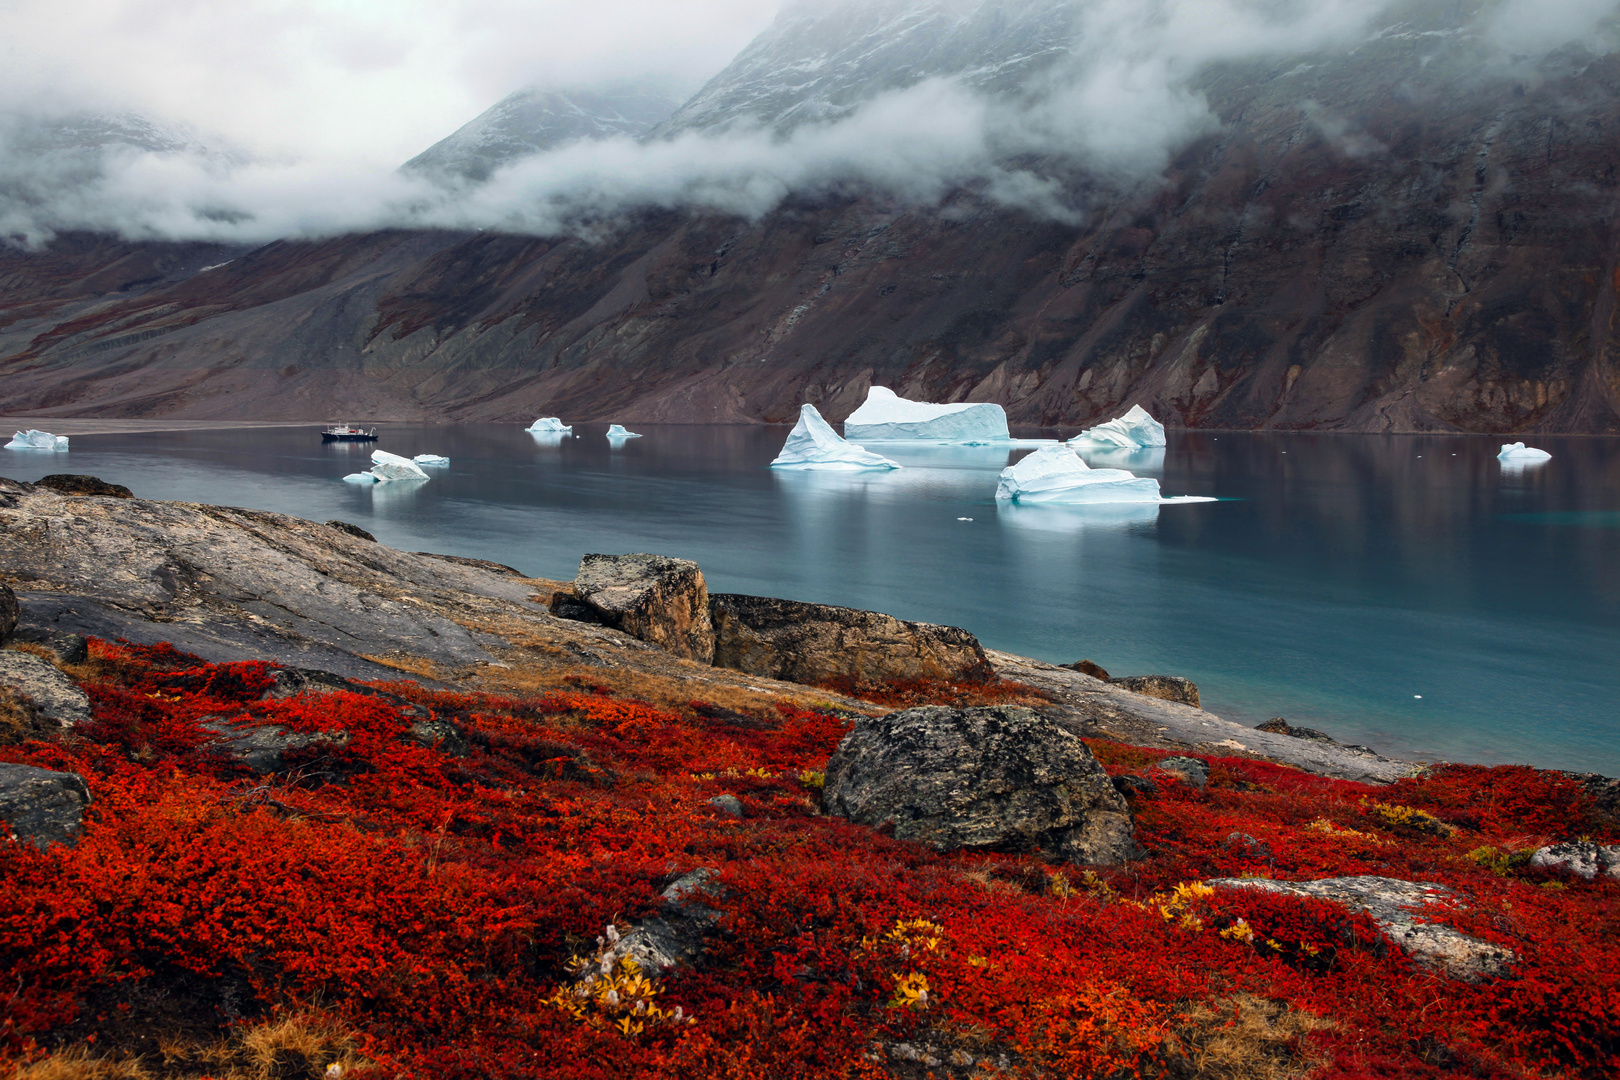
(1342, 214)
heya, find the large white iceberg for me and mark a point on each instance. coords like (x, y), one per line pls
(886, 415)
(1057, 474)
(431, 459)
(813, 444)
(1519, 454)
(551, 425)
(1132, 431)
(617, 431)
(386, 466)
(37, 440)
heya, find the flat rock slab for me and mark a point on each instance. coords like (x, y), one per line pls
(51, 693)
(42, 806)
(654, 598)
(260, 746)
(992, 778)
(1092, 707)
(819, 643)
(1397, 906)
(1581, 858)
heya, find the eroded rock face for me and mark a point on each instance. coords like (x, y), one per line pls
(10, 612)
(660, 600)
(995, 778)
(42, 806)
(51, 693)
(1164, 687)
(1396, 906)
(817, 643)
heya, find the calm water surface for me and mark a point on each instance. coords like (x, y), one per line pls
(1400, 591)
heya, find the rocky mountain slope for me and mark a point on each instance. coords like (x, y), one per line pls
(532, 120)
(1418, 236)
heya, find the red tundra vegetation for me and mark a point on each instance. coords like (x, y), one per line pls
(383, 908)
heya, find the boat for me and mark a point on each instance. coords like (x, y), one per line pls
(345, 433)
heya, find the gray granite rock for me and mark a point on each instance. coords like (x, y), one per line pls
(675, 936)
(10, 612)
(52, 694)
(995, 778)
(67, 647)
(1397, 906)
(1163, 687)
(1581, 858)
(42, 806)
(729, 805)
(1188, 770)
(261, 747)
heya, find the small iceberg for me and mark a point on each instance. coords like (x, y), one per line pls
(1134, 431)
(618, 432)
(887, 416)
(430, 459)
(1056, 474)
(550, 425)
(813, 444)
(37, 440)
(1519, 454)
(386, 467)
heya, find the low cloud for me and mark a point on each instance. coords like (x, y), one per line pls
(1115, 110)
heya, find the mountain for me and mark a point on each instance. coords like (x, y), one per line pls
(533, 120)
(819, 61)
(1418, 235)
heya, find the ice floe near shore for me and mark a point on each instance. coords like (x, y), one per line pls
(386, 467)
(1056, 474)
(37, 440)
(813, 444)
(430, 459)
(887, 416)
(1519, 454)
(550, 425)
(617, 431)
(1135, 430)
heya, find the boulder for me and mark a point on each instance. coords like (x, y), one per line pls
(674, 937)
(1086, 667)
(1396, 906)
(51, 693)
(1278, 726)
(42, 806)
(729, 805)
(67, 647)
(10, 612)
(1581, 858)
(993, 778)
(660, 600)
(427, 729)
(1164, 687)
(1188, 770)
(260, 747)
(353, 530)
(79, 484)
(817, 643)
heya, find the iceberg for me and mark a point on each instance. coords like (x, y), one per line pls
(813, 444)
(550, 425)
(37, 440)
(386, 466)
(1134, 430)
(360, 478)
(1057, 474)
(1519, 454)
(430, 459)
(617, 432)
(887, 416)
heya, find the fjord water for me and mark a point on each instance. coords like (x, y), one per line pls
(1405, 592)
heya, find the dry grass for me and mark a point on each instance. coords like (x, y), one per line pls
(411, 665)
(1244, 1037)
(16, 718)
(293, 1048)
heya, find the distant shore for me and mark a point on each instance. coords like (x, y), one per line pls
(96, 425)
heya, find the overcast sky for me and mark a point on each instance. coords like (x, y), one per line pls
(365, 81)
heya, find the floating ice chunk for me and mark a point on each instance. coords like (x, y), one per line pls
(1057, 474)
(37, 440)
(550, 424)
(1520, 454)
(618, 432)
(813, 444)
(360, 478)
(386, 466)
(430, 459)
(885, 415)
(1133, 430)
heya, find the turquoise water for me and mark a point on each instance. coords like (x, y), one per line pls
(1400, 591)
